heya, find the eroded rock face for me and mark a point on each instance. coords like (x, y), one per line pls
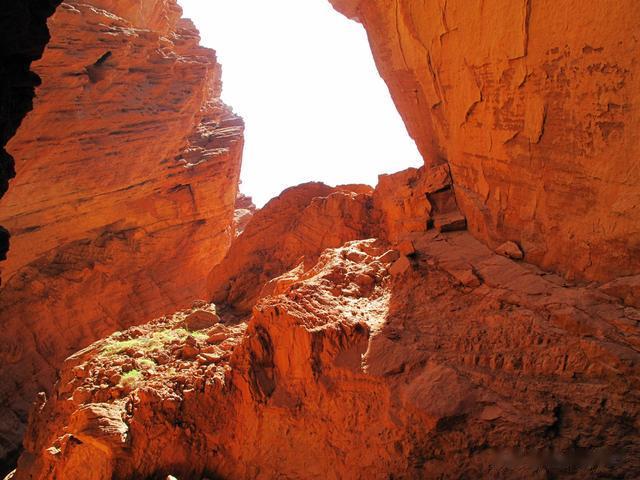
(23, 35)
(534, 106)
(129, 167)
(422, 352)
(436, 358)
(416, 199)
(346, 371)
(291, 229)
(243, 213)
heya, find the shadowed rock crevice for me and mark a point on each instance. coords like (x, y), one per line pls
(23, 36)
(96, 71)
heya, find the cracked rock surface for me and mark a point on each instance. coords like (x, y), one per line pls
(534, 104)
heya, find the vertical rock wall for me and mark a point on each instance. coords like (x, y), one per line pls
(23, 35)
(128, 173)
(534, 105)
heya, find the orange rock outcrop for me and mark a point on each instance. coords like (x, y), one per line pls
(23, 37)
(350, 332)
(243, 212)
(534, 106)
(128, 173)
(291, 229)
(437, 358)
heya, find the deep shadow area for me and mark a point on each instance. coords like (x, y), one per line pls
(23, 36)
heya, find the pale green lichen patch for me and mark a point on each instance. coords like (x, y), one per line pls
(151, 342)
(130, 378)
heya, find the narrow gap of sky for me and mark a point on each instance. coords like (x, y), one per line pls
(303, 78)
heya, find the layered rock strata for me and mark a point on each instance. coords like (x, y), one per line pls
(434, 358)
(23, 36)
(129, 167)
(534, 106)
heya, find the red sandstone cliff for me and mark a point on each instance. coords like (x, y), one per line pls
(420, 353)
(293, 228)
(23, 36)
(534, 105)
(128, 172)
(438, 359)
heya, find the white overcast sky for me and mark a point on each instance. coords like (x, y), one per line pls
(303, 78)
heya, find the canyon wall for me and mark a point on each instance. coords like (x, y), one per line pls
(128, 171)
(435, 358)
(355, 333)
(535, 106)
(23, 36)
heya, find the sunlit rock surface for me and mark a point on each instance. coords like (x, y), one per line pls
(128, 172)
(351, 333)
(534, 106)
(293, 228)
(429, 357)
(243, 212)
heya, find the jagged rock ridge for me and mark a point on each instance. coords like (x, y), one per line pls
(23, 36)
